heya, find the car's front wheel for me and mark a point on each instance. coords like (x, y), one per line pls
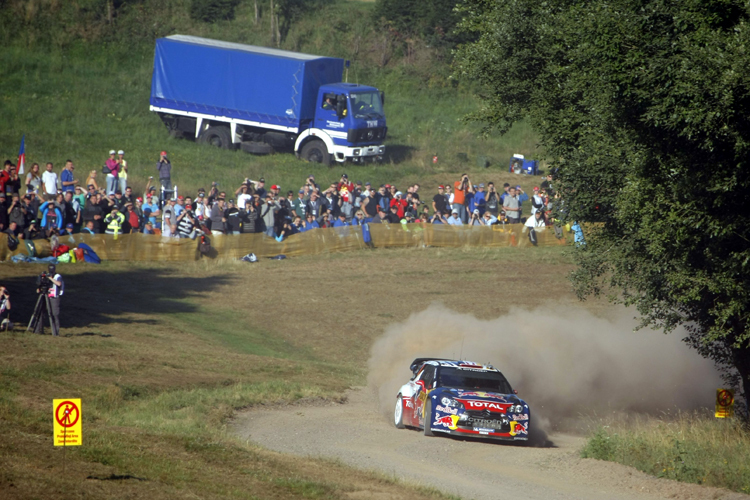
(398, 414)
(427, 412)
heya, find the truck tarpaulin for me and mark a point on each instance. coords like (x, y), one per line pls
(212, 77)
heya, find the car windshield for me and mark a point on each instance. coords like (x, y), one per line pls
(457, 378)
(366, 105)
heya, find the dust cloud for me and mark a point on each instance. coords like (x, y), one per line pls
(564, 362)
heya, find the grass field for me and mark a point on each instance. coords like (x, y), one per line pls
(162, 355)
(695, 448)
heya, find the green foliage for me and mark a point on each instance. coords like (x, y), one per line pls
(210, 11)
(641, 108)
(433, 20)
(691, 449)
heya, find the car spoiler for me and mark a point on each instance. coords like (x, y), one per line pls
(417, 363)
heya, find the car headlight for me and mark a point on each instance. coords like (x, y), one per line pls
(516, 409)
(452, 403)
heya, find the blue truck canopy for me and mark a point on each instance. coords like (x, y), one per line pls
(239, 81)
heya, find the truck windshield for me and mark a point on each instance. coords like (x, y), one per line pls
(473, 380)
(366, 105)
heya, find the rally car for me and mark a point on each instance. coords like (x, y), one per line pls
(461, 398)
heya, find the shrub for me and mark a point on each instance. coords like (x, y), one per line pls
(210, 11)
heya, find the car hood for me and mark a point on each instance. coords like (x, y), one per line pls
(480, 400)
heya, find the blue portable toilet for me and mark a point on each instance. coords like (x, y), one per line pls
(521, 165)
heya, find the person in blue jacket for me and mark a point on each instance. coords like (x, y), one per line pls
(341, 221)
(52, 216)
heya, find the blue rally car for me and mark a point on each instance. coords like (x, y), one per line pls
(461, 398)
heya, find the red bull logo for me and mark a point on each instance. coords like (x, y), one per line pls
(448, 421)
(517, 428)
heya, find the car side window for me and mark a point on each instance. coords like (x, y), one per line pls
(428, 376)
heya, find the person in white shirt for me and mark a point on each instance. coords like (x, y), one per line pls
(49, 179)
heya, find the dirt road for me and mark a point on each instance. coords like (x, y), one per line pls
(360, 436)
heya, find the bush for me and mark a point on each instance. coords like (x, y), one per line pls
(210, 11)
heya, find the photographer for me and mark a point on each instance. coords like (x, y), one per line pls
(459, 197)
(493, 200)
(164, 167)
(51, 284)
(5, 323)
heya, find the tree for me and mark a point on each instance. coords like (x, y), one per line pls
(641, 107)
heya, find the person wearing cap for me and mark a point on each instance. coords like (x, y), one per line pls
(399, 203)
(380, 216)
(455, 218)
(186, 224)
(49, 179)
(33, 232)
(300, 204)
(260, 187)
(512, 206)
(392, 215)
(179, 206)
(133, 221)
(123, 174)
(439, 201)
(148, 228)
(535, 222)
(114, 221)
(479, 201)
(80, 196)
(169, 219)
(232, 216)
(369, 203)
(112, 169)
(151, 210)
(341, 221)
(164, 170)
(55, 292)
(92, 213)
(218, 220)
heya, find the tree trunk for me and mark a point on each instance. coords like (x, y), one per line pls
(278, 32)
(109, 12)
(272, 18)
(741, 358)
(256, 12)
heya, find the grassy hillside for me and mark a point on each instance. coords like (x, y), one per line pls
(162, 355)
(79, 97)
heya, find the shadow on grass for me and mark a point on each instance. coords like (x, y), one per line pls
(397, 153)
(105, 297)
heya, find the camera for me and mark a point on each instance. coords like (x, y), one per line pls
(43, 283)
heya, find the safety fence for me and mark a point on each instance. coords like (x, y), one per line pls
(146, 247)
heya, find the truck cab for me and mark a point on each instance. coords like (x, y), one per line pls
(350, 120)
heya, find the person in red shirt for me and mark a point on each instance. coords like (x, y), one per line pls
(345, 182)
(399, 203)
(459, 196)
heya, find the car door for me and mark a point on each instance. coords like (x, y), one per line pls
(425, 384)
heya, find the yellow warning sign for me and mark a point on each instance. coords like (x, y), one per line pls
(66, 417)
(724, 403)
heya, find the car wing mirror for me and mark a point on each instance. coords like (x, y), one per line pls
(515, 391)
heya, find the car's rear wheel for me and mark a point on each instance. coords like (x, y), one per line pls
(427, 412)
(398, 414)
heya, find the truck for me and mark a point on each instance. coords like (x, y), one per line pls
(261, 100)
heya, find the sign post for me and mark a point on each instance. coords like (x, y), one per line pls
(724, 403)
(66, 419)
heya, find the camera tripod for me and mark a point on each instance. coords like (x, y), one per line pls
(36, 324)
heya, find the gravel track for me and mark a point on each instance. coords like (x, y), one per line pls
(357, 434)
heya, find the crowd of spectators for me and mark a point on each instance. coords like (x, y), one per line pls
(59, 204)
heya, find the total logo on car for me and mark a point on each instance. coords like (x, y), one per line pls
(461, 398)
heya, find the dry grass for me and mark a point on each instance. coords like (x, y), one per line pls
(162, 354)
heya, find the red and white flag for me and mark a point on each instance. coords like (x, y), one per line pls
(22, 156)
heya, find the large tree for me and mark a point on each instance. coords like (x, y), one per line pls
(643, 109)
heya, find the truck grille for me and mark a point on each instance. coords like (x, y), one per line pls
(367, 134)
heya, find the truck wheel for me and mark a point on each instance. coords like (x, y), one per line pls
(316, 152)
(219, 137)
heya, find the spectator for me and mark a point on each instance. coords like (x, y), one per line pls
(33, 232)
(268, 214)
(71, 210)
(359, 218)
(92, 214)
(114, 222)
(506, 189)
(380, 216)
(132, 219)
(112, 169)
(455, 218)
(13, 183)
(232, 216)
(89, 228)
(512, 206)
(5, 176)
(118, 200)
(488, 219)
(476, 219)
(286, 230)
(67, 179)
(91, 181)
(243, 194)
(260, 188)
(5, 307)
(341, 221)
(67, 230)
(392, 215)
(547, 185)
(218, 220)
(299, 205)
(537, 201)
(33, 179)
(186, 224)
(199, 208)
(480, 199)
(314, 206)
(148, 228)
(459, 196)
(249, 218)
(179, 205)
(369, 204)
(128, 195)
(439, 201)
(535, 222)
(521, 198)
(439, 218)
(169, 219)
(17, 213)
(79, 196)
(151, 210)
(309, 223)
(3, 212)
(164, 168)
(399, 203)
(493, 202)
(49, 179)
(123, 174)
